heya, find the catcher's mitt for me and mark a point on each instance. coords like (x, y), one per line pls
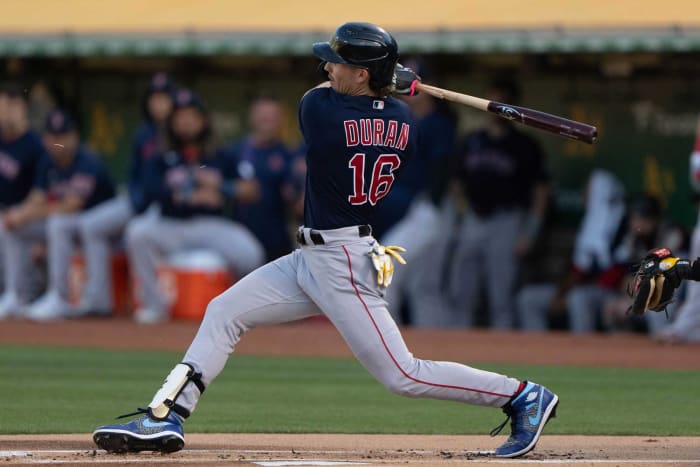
(656, 279)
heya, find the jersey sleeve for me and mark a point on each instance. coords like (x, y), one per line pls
(310, 108)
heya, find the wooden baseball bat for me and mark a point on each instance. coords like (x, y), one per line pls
(544, 121)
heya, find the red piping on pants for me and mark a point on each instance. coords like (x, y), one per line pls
(381, 337)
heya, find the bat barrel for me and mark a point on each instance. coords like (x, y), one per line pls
(547, 122)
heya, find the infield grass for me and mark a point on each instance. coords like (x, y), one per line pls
(59, 390)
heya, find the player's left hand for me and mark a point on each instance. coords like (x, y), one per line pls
(656, 280)
(383, 261)
(405, 80)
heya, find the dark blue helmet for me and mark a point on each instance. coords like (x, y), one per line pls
(364, 45)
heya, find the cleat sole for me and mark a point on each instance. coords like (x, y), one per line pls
(121, 443)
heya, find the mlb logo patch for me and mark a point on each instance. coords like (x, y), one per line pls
(378, 105)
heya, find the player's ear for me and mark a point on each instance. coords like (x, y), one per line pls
(362, 75)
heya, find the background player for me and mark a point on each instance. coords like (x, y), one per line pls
(21, 152)
(69, 182)
(262, 156)
(100, 227)
(506, 184)
(189, 183)
(357, 138)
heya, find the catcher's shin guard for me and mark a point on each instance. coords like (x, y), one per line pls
(165, 399)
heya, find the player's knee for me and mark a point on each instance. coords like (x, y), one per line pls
(221, 312)
(89, 226)
(137, 233)
(400, 385)
(57, 224)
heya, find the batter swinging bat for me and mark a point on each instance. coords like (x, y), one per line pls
(544, 121)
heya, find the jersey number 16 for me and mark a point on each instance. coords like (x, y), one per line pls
(382, 178)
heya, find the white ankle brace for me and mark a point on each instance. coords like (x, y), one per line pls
(164, 400)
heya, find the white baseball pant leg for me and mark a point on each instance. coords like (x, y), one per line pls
(149, 240)
(339, 280)
(99, 228)
(486, 251)
(585, 305)
(532, 306)
(61, 232)
(16, 245)
(415, 232)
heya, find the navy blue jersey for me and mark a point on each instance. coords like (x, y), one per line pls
(171, 179)
(144, 146)
(267, 217)
(500, 174)
(86, 176)
(424, 173)
(355, 146)
(19, 160)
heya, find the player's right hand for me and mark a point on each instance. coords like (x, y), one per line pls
(405, 80)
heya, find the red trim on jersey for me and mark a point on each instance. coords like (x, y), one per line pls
(697, 143)
(386, 347)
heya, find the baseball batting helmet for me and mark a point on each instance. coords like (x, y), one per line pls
(364, 45)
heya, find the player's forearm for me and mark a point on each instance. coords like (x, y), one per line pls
(69, 204)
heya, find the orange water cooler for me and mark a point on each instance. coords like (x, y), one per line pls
(191, 279)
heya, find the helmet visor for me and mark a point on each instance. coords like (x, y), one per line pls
(325, 52)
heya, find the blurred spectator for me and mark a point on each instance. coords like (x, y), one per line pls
(67, 183)
(102, 226)
(191, 182)
(21, 151)
(263, 157)
(539, 305)
(642, 231)
(40, 102)
(410, 215)
(505, 181)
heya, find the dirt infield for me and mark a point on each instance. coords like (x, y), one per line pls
(383, 450)
(321, 339)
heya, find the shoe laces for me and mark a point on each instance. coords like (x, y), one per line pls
(508, 410)
(139, 411)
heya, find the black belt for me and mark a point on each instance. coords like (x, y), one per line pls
(317, 238)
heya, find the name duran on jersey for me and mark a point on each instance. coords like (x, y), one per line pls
(375, 132)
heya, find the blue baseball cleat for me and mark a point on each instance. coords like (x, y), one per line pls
(142, 434)
(529, 413)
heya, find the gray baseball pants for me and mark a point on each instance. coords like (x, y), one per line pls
(16, 246)
(59, 231)
(100, 228)
(150, 239)
(486, 252)
(338, 280)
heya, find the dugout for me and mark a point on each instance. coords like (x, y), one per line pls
(631, 68)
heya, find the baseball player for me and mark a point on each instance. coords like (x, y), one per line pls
(102, 225)
(21, 151)
(504, 179)
(190, 182)
(357, 139)
(69, 182)
(262, 156)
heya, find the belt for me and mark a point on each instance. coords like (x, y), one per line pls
(316, 236)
